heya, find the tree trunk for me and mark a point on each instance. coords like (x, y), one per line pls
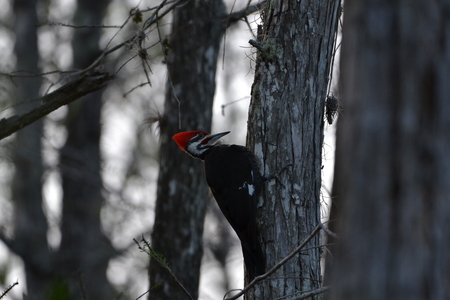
(286, 129)
(30, 223)
(182, 191)
(392, 175)
(85, 252)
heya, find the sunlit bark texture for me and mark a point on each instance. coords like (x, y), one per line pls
(197, 30)
(392, 176)
(286, 129)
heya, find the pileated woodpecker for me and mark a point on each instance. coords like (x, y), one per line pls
(232, 173)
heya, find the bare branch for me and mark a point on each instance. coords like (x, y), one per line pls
(69, 92)
(248, 10)
(313, 293)
(50, 23)
(83, 81)
(24, 73)
(258, 45)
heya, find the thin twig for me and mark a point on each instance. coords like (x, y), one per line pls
(106, 52)
(335, 48)
(249, 27)
(276, 267)
(142, 295)
(248, 10)
(328, 231)
(232, 102)
(150, 252)
(134, 88)
(9, 288)
(312, 293)
(80, 282)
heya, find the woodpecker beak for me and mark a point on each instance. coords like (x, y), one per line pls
(212, 138)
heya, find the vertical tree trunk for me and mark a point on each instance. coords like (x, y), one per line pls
(85, 251)
(286, 129)
(30, 224)
(393, 168)
(181, 198)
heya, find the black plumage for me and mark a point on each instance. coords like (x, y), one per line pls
(233, 174)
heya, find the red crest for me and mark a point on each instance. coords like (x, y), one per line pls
(183, 138)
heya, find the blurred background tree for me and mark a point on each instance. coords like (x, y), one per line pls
(29, 223)
(84, 252)
(391, 202)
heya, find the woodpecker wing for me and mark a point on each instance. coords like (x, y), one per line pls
(232, 173)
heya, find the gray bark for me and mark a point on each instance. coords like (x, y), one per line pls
(392, 175)
(177, 235)
(286, 129)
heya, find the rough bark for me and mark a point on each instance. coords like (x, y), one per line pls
(84, 251)
(392, 165)
(286, 129)
(30, 224)
(177, 235)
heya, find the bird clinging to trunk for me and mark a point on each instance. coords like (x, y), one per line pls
(233, 174)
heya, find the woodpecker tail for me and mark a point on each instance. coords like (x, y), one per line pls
(254, 261)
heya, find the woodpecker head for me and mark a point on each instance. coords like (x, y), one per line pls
(197, 143)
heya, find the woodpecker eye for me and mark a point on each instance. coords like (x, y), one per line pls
(199, 140)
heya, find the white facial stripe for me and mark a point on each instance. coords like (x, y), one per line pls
(193, 149)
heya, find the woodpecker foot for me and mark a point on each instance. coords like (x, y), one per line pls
(276, 174)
